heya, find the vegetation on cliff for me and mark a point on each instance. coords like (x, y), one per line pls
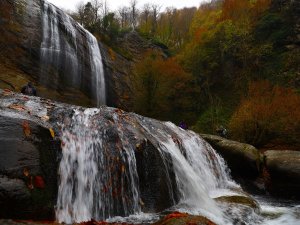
(226, 56)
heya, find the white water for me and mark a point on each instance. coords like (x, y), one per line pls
(59, 52)
(99, 178)
(199, 170)
(86, 158)
(97, 69)
(88, 176)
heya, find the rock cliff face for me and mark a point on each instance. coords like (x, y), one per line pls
(31, 148)
(25, 26)
(120, 67)
(59, 60)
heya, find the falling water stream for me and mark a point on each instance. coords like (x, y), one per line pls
(59, 52)
(99, 178)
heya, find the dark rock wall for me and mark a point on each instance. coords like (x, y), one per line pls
(28, 170)
(23, 38)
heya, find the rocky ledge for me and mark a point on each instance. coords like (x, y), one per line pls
(275, 171)
(30, 149)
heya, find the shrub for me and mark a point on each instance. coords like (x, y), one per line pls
(268, 113)
(163, 90)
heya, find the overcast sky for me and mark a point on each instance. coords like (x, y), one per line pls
(115, 4)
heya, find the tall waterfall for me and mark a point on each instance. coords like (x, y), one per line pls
(98, 169)
(61, 58)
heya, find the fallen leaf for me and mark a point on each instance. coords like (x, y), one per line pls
(26, 128)
(176, 215)
(45, 118)
(123, 168)
(39, 182)
(17, 107)
(26, 172)
(52, 132)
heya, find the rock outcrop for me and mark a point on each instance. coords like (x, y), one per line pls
(242, 159)
(28, 169)
(120, 64)
(30, 149)
(283, 168)
(64, 76)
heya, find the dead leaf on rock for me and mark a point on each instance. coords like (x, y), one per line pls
(7, 92)
(123, 169)
(26, 128)
(17, 107)
(52, 132)
(39, 182)
(26, 172)
(25, 98)
(45, 118)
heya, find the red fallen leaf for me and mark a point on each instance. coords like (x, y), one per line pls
(26, 128)
(39, 182)
(176, 215)
(7, 92)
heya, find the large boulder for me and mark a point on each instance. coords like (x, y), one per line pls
(28, 169)
(30, 150)
(242, 159)
(283, 169)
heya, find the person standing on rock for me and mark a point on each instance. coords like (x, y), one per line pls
(29, 89)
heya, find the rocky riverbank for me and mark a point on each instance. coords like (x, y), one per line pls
(273, 171)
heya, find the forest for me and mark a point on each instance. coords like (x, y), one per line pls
(232, 63)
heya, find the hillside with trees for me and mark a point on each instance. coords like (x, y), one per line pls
(233, 63)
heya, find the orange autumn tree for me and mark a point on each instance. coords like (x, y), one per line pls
(268, 113)
(163, 90)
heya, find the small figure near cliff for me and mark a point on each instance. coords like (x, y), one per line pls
(222, 131)
(183, 125)
(29, 89)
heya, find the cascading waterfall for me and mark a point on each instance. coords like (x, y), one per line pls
(98, 172)
(97, 69)
(59, 53)
(96, 181)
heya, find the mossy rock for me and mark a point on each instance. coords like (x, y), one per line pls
(239, 199)
(244, 160)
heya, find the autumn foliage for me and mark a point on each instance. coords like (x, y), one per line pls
(267, 114)
(162, 89)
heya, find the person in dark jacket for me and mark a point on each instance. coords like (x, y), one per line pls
(29, 89)
(222, 131)
(183, 125)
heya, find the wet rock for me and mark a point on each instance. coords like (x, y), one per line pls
(155, 178)
(28, 168)
(30, 152)
(283, 167)
(239, 199)
(242, 159)
(177, 218)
